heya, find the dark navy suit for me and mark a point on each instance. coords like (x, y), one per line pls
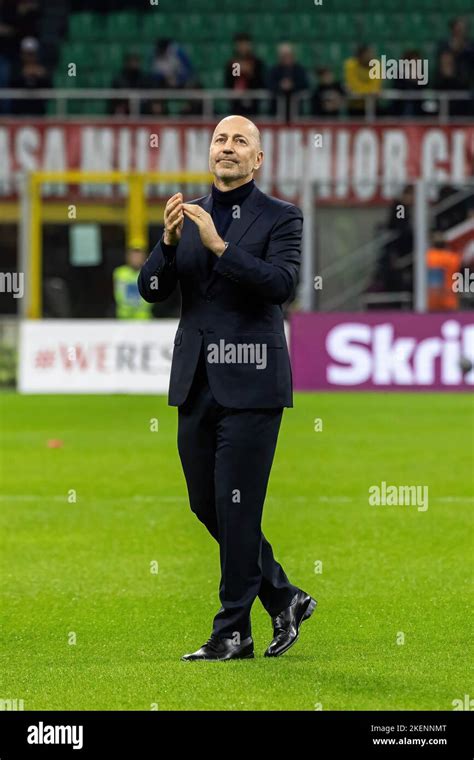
(230, 410)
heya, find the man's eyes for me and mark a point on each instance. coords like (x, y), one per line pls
(239, 139)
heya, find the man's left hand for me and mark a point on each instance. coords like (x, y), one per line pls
(207, 231)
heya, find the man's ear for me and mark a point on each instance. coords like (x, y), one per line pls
(255, 168)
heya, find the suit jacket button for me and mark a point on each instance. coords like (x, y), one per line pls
(201, 332)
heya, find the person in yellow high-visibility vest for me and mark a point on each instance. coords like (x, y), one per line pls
(128, 302)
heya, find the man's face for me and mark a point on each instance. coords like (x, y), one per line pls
(460, 27)
(285, 55)
(243, 48)
(366, 56)
(234, 152)
(132, 63)
(135, 258)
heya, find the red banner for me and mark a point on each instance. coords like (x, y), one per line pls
(350, 163)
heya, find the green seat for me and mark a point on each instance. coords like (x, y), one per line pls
(153, 26)
(381, 26)
(75, 52)
(189, 27)
(94, 107)
(85, 26)
(122, 27)
(99, 79)
(308, 26)
(230, 7)
(211, 78)
(271, 28)
(109, 56)
(415, 26)
(439, 25)
(266, 51)
(328, 54)
(343, 26)
(217, 55)
(225, 26)
(62, 81)
(393, 49)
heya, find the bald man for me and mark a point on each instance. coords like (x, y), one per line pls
(235, 254)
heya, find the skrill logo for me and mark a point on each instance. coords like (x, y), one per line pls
(361, 353)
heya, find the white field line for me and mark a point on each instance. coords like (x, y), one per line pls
(172, 499)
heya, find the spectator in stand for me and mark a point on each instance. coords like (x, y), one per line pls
(447, 79)
(392, 275)
(248, 75)
(131, 77)
(328, 98)
(357, 79)
(17, 20)
(27, 17)
(8, 47)
(31, 75)
(286, 78)
(459, 44)
(408, 107)
(171, 68)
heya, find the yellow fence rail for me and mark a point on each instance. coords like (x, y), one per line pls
(136, 218)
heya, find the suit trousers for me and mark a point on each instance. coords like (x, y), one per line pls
(226, 455)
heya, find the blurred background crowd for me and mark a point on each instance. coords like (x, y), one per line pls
(37, 44)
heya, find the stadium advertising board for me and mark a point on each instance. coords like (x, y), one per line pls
(96, 356)
(351, 163)
(382, 351)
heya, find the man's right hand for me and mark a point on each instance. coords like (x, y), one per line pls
(174, 219)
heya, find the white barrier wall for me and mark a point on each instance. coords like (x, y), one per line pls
(95, 356)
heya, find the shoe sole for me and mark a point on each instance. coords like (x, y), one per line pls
(227, 659)
(309, 609)
(308, 612)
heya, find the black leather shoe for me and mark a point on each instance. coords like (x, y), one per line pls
(216, 648)
(286, 624)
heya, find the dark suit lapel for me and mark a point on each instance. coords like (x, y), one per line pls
(250, 211)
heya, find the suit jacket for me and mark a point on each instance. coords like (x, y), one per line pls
(232, 304)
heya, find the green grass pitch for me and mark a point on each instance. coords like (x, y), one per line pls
(82, 570)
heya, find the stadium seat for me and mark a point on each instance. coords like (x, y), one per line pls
(153, 26)
(276, 32)
(110, 57)
(307, 26)
(122, 27)
(212, 78)
(189, 27)
(321, 35)
(85, 26)
(266, 51)
(74, 52)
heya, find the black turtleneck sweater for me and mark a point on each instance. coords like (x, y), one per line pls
(223, 204)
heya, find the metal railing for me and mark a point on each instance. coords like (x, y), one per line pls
(444, 97)
(208, 97)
